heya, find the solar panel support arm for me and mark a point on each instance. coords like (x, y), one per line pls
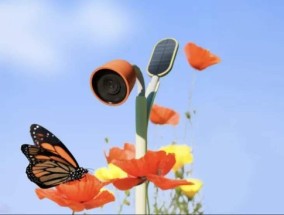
(151, 93)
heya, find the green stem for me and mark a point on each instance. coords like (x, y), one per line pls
(147, 198)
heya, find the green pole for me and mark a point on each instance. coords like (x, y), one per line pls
(141, 148)
(143, 106)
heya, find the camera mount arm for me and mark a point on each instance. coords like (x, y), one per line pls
(139, 80)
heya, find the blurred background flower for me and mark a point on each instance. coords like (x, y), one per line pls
(162, 115)
(182, 153)
(198, 57)
(191, 190)
(106, 174)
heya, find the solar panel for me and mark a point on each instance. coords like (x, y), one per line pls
(162, 58)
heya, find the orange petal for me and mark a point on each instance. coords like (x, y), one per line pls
(81, 190)
(73, 194)
(166, 183)
(133, 167)
(103, 198)
(127, 183)
(57, 197)
(153, 162)
(200, 58)
(127, 153)
(75, 206)
(162, 115)
(45, 193)
(159, 162)
(167, 161)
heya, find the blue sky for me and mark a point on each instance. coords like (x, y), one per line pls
(48, 50)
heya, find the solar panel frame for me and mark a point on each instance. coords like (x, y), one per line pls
(168, 60)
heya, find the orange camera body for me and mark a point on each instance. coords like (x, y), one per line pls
(113, 82)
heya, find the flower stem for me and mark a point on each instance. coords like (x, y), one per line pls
(147, 198)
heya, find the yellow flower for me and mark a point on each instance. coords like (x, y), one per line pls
(191, 190)
(106, 174)
(182, 153)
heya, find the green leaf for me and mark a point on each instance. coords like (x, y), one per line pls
(187, 115)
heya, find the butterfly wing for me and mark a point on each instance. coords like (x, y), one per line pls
(49, 173)
(48, 141)
(37, 154)
(51, 163)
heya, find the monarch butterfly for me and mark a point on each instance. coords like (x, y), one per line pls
(51, 163)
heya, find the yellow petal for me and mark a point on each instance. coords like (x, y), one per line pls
(106, 174)
(191, 190)
(182, 153)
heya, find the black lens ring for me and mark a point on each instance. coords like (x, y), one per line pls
(109, 86)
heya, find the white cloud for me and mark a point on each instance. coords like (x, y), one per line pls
(34, 33)
(106, 23)
(21, 44)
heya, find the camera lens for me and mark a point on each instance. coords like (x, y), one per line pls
(109, 86)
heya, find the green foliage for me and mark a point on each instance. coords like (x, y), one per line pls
(125, 201)
(187, 115)
(179, 202)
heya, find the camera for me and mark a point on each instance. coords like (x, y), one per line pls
(113, 82)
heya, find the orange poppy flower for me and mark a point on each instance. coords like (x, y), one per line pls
(152, 167)
(162, 115)
(200, 58)
(127, 153)
(78, 195)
